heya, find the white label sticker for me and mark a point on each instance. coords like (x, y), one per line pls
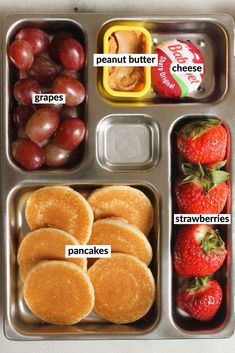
(125, 60)
(49, 98)
(187, 68)
(202, 218)
(84, 251)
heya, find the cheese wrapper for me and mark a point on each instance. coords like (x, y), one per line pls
(176, 84)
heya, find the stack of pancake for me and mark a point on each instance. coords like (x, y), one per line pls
(60, 290)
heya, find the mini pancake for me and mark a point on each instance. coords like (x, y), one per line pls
(45, 244)
(124, 288)
(124, 202)
(123, 238)
(59, 292)
(60, 207)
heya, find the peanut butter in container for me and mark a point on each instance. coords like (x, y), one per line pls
(127, 81)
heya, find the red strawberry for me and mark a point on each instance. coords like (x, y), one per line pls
(203, 141)
(201, 298)
(204, 190)
(199, 251)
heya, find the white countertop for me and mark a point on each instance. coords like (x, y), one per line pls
(140, 346)
(156, 6)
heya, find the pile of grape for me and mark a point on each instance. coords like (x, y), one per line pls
(47, 134)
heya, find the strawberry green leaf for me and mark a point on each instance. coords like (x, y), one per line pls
(213, 242)
(189, 169)
(188, 179)
(207, 177)
(218, 251)
(195, 284)
(220, 165)
(206, 185)
(196, 128)
(219, 176)
(201, 171)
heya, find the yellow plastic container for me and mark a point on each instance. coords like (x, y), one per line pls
(147, 69)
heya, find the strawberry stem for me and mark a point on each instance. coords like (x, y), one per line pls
(195, 284)
(196, 128)
(213, 242)
(207, 177)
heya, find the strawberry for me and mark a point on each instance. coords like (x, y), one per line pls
(203, 190)
(199, 251)
(203, 141)
(200, 298)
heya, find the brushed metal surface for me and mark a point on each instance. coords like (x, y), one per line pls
(208, 36)
(127, 142)
(215, 100)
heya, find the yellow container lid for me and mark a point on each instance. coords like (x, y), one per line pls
(147, 69)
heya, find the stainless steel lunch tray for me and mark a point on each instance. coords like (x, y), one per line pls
(153, 175)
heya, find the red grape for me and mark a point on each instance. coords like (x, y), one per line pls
(21, 115)
(21, 54)
(21, 134)
(38, 39)
(28, 154)
(55, 43)
(43, 70)
(43, 143)
(69, 112)
(42, 124)
(74, 90)
(56, 156)
(70, 133)
(69, 73)
(71, 54)
(24, 89)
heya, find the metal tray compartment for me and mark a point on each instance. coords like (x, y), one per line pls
(182, 319)
(51, 26)
(127, 142)
(209, 37)
(155, 179)
(19, 318)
